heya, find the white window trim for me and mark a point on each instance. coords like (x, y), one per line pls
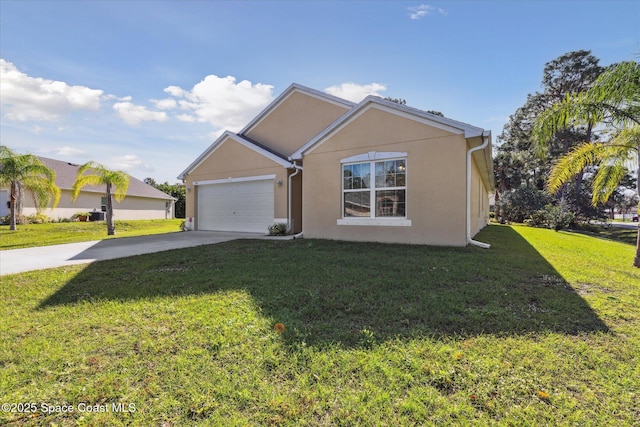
(375, 155)
(371, 157)
(391, 222)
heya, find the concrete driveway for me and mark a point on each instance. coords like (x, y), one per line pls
(21, 260)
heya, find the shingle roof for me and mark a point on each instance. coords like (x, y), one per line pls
(66, 174)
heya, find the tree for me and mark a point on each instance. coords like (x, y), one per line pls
(396, 100)
(174, 190)
(116, 182)
(520, 165)
(613, 103)
(26, 171)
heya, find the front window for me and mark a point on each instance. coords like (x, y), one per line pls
(383, 196)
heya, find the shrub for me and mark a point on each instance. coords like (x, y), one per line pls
(555, 217)
(20, 220)
(38, 219)
(278, 229)
(559, 217)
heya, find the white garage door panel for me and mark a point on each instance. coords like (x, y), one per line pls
(236, 206)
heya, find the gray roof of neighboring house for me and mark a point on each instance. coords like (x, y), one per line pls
(67, 172)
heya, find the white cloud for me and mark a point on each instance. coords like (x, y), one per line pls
(187, 118)
(33, 98)
(68, 151)
(221, 102)
(175, 91)
(134, 114)
(355, 92)
(165, 104)
(419, 12)
(128, 163)
(64, 151)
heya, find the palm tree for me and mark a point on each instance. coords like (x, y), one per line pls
(116, 182)
(26, 171)
(612, 104)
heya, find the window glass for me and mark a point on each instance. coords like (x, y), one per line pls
(387, 191)
(390, 203)
(357, 204)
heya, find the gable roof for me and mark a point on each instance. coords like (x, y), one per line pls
(473, 134)
(411, 113)
(252, 145)
(67, 172)
(294, 87)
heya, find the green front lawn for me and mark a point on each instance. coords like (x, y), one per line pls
(542, 329)
(55, 233)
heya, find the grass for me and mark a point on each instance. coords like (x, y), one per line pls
(624, 235)
(542, 329)
(55, 233)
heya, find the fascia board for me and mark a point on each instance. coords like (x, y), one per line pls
(230, 135)
(410, 113)
(279, 160)
(376, 102)
(484, 161)
(206, 153)
(431, 119)
(293, 88)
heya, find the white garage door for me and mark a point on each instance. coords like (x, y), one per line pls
(236, 206)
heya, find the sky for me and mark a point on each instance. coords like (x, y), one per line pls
(147, 86)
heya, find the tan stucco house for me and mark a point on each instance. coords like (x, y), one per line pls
(329, 168)
(142, 201)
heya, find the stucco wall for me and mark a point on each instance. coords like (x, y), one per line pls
(294, 122)
(130, 208)
(234, 160)
(436, 181)
(479, 201)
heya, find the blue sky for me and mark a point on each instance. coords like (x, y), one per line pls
(146, 86)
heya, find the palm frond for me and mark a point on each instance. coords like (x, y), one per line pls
(97, 174)
(33, 175)
(613, 99)
(606, 181)
(120, 182)
(574, 163)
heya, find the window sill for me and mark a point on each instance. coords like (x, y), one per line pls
(392, 222)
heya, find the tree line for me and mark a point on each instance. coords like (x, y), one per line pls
(569, 153)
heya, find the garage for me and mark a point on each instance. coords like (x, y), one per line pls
(240, 204)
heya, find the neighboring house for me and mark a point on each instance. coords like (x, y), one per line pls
(142, 201)
(372, 171)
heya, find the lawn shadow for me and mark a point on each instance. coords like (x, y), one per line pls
(357, 294)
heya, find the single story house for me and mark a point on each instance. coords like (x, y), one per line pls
(142, 201)
(372, 171)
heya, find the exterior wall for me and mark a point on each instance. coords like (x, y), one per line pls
(130, 208)
(436, 181)
(233, 160)
(294, 122)
(479, 201)
(297, 202)
(4, 200)
(142, 208)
